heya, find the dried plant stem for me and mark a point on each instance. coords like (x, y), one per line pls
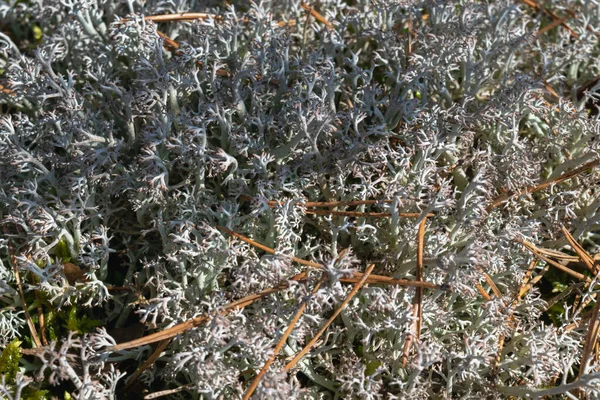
(151, 360)
(337, 312)
(362, 214)
(316, 15)
(536, 188)
(167, 392)
(553, 25)
(386, 280)
(552, 14)
(268, 249)
(30, 324)
(584, 256)
(194, 322)
(533, 249)
(282, 341)
(418, 298)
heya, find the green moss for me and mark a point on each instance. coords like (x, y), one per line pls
(9, 360)
(82, 324)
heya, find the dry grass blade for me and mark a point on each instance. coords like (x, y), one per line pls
(553, 25)
(194, 322)
(535, 252)
(552, 14)
(590, 339)
(168, 392)
(385, 280)
(282, 341)
(490, 282)
(268, 249)
(527, 287)
(153, 357)
(483, 292)
(337, 312)
(316, 15)
(584, 256)
(182, 17)
(418, 299)
(361, 214)
(30, 324)
(536, 188)
(348, 203)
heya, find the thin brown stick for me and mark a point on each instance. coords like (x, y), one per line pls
(362, 214)
(316, 15)
(483, 292)
(533, 250)
(268, 249)
(527, 287)
(536, 188)
(167, 392)
(490, 282)
(183, 17)
(195, 322)
(282, 341)
(552, 14)
(418, 298)
(337, 312)
(385, 280)
(591, 339)
(553, 25)
(28, 319)
(584, 256)
(151, 360)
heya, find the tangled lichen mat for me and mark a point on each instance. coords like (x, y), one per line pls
(341, 199)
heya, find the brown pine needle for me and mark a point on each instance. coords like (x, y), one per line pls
(30, 324)
(584, 256)
(268, 249)
(418, 299)
(182, 17)
(533, 250)
(317, 16)
(536, 188)
(490, 282)
(337, 312)
(151, 360)
(348, 203)
(282, 341)
(167, 392)
(386, 280)
(553, 25)
(174, 46)
(591, 339)
(527, 287)
(200, 320)
(529, 272)
(552, 14)
(362, 214)
(483, 292)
